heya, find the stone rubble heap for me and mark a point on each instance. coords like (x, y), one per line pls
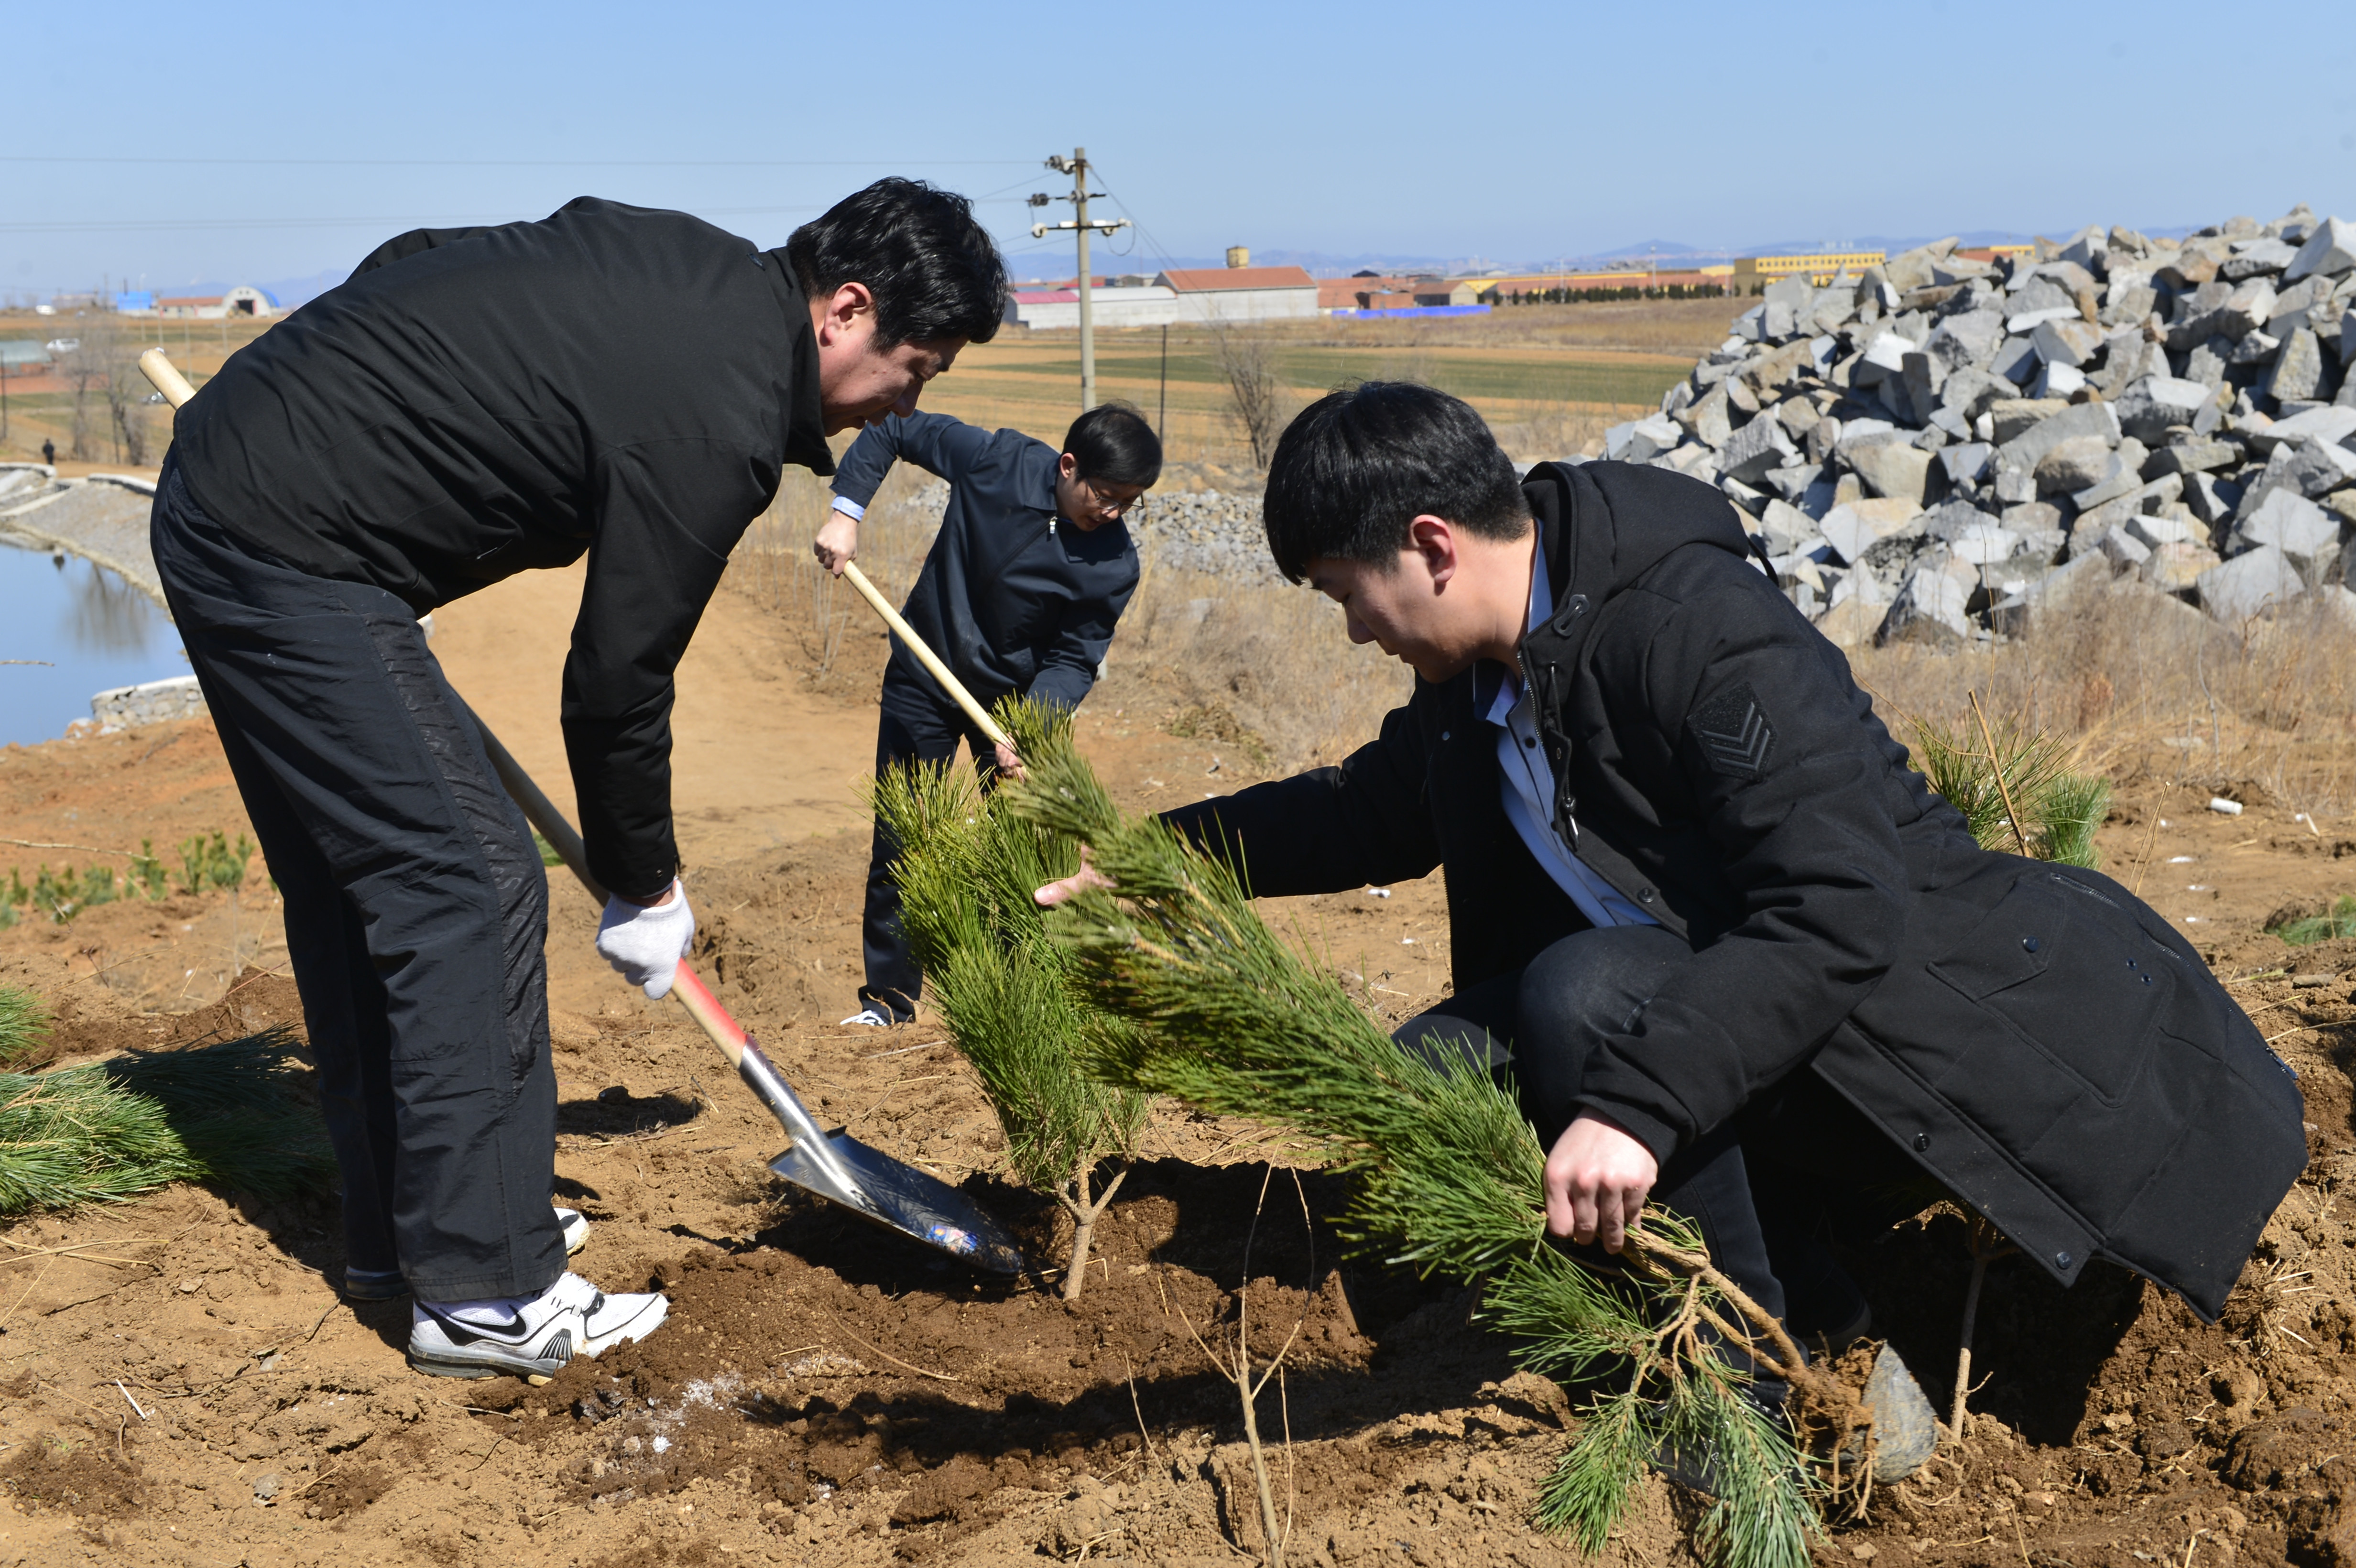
(1218, 534)
(1932, 449)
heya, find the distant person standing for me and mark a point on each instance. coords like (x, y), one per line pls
(49, 451)
(1019, 593)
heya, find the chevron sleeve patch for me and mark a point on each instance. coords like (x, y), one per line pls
(1734, 733)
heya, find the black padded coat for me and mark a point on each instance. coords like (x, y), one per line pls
(2044, 1044)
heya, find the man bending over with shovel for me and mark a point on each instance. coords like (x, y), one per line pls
(1024, 582)
(612, 381)
(1734, 954)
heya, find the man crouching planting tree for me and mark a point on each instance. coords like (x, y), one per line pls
(1019, 593)
(1735, 956)
(611, 380)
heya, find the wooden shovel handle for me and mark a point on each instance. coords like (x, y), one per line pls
(166, 377)
(925, 656)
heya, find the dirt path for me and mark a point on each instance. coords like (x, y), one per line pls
(828, 1396)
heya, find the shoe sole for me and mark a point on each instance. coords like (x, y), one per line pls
(537, 1373)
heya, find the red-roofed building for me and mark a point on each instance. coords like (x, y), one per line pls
(1242, 294)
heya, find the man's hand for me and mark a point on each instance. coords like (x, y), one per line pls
(645, 938)
(1009, 763)
(1596, 1181)
(836, 545)
(1069, 888)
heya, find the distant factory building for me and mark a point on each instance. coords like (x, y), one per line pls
(1242, 294)
(242, 300)
(1182, 295)
(1820, 269)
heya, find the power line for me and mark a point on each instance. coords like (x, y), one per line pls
(534, 163)
(131, 225)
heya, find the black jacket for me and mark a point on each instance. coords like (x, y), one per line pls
(1014, 598)
(471, 404)
(2046, 1045)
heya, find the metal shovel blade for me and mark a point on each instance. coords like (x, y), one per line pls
(872, 1184)
(901, 1197)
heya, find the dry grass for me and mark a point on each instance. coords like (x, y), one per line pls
(2148, 688)
(1265, 669)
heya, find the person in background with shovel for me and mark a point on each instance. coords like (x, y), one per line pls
(613, 381)
(1019, 593)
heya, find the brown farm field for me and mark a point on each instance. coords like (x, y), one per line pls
(179, 1383)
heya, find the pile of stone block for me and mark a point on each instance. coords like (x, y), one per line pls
(1933, 449)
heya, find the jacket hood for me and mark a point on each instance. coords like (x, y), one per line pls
(1604, 525)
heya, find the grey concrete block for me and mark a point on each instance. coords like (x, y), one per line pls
(2011, 416)
(2177, 566)
(1930, 608)
(2332, 425)
(2241, 587)
(2298, 369)
(2254, 347)
(2257, 258)
(1970, 338)
(1985, 543)
(2207, 360)
(2025, 450)
(1970, 390)
(2194, 457)
(2014, 359)
(2148, 407)
(1966, 462)
(2123, 548)
(2077, 465)
(2291, 523)
(1893, 468)
(1758, 447)
(2330, 249)
(2056, 380)
(1787, 528)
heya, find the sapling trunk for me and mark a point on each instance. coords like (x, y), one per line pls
(1987, 1245)
(1074, 1196)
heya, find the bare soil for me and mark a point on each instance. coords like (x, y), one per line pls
(188, 1388)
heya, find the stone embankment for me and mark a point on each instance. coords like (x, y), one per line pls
(1935, 448)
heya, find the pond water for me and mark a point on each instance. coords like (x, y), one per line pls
(94, 630)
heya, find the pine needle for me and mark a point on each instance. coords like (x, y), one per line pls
(113, 1130)
(24, 1024)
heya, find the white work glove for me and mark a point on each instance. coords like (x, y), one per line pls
(645, 942)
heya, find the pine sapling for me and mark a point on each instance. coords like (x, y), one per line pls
(2015, 786)
(1223, 1016)
(966, 867)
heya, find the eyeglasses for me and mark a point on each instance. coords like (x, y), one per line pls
(1112, 504)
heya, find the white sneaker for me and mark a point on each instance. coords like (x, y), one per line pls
(868, 1018)
(575, 1226)
(530, 1337)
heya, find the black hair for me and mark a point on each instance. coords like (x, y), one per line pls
(934, 271)
(1361, 464)
(1112, 441)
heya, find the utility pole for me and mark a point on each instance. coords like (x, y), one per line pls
(1076, 166)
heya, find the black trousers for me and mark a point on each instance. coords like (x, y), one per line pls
(918, 722)
(1769, 1188)
(416, 907)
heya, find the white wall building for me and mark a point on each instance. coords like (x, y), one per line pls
(242, 300)
(1185, 294)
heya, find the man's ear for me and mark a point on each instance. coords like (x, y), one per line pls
(1434, 538)
(1068, 466)
(840, 313)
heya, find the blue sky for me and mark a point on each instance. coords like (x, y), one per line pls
(1513, 134)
